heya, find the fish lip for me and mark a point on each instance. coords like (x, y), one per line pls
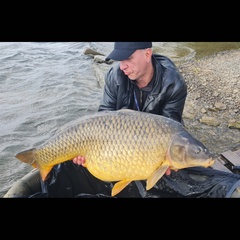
(210, 161)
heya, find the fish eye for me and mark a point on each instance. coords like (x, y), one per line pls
(197, 150)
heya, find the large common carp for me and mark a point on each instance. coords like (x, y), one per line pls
(122, 146)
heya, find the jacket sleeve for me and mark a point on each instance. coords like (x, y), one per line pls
(109, 98)
(176, 94)
(115, 91)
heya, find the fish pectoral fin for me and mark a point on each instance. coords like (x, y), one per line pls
(119, 186)
(156, 175)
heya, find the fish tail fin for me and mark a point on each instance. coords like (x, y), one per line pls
(27, 157)
(44, 171)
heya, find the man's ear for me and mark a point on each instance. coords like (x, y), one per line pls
(148, 54)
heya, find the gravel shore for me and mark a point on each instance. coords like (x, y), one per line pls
(212, 110)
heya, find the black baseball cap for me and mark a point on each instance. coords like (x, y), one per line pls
(123, 50)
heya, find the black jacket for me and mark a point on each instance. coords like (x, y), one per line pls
(167, 97)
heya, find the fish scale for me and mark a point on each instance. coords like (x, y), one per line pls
(122, 146)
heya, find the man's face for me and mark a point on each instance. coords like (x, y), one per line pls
(134, 66)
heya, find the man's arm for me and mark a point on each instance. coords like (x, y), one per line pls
(175, 101)
(109, 98)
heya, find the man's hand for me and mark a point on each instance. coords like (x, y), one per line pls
(168, 172)
(80, 160)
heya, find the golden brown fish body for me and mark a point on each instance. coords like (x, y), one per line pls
(122, 146)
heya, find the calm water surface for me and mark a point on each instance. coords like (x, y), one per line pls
(45, 85)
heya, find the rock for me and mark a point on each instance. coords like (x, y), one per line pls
(234, 124)
(211, 121)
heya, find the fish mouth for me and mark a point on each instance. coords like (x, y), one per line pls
(209, 162)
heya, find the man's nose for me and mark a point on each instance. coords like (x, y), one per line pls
(123, 65)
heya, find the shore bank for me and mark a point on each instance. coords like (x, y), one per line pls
(212, 110)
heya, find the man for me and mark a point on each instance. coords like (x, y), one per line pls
(142, 81)
(147, 82)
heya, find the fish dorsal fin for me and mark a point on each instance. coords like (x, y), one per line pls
(156, 175)
(119, 186)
